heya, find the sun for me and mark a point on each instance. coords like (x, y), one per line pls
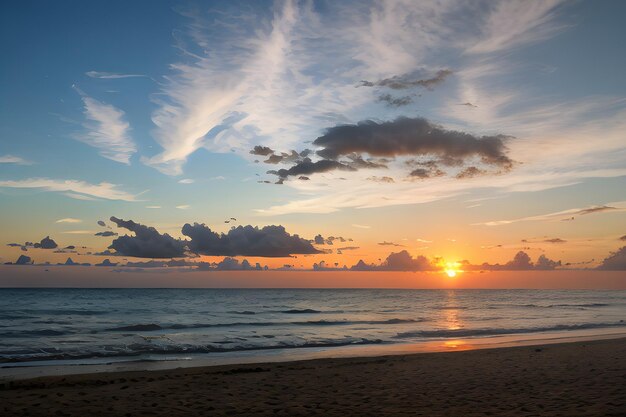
(451, 269)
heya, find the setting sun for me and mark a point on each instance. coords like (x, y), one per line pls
(451, 269)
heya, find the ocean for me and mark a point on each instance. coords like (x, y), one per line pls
(91, 326)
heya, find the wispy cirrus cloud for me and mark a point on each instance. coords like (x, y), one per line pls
(561, 215)
(12, 159)
(69, 220)
(111, 75)
(103, 190)
(106, 130)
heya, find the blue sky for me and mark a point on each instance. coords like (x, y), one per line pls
(149, 110)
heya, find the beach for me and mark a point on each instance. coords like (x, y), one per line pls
(585, 378)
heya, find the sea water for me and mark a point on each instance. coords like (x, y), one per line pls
(83, 325)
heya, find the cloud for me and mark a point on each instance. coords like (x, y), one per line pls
(106, 262)
(186, 181)
(398, 261)
(361, 226)
(101, 223)
(104, 190)
(319, 240)
(385, 243)
(11, 159)
(147, 242)
(46, 243)
(521, 262)
(153, 207)
(24, 260)
(402, 82)
(307, 167)
(262, 150)
(106, 233)
(561, 215)
(404, 136)
(411, 137)
(514, 23)
(555, 240)
(106, 130)
(269, 241)
(392, 101)
(69, 220)
(183, 207)
(111, 75)
(387, 180)
(616, 261)
(623, 237)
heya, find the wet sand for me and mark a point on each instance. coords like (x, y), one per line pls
(571, 379)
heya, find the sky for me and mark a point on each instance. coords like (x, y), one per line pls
(376, 135)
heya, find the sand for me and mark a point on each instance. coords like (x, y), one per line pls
(570, 379)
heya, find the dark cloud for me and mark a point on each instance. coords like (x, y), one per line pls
(24, 260)
(107, 262)
(395, 102)
(411, 137)
(623, 237)
(303, 178)
(387, 180)
(423, 173)
(106, 233)
(269, 241)
(616, 261)
(470, 172)
(411, 80)
(262, 151)
(274, 159)
(596, 210)
(468, 104)
(319, 240)
(308, 167)
(46, 243)
(147, 242)
(348, 248)
(101, 223)
(555, 240)
(389, 244)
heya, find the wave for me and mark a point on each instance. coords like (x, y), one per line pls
(496, 332)
(27, 333)
(155, 327)
(300, 311)
(150, 349)
(583, 305)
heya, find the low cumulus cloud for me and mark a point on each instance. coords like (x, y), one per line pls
(268, 241)
(521, 262)
(398, 261)
(147, 242)
(107, 233)
(616, 261)
(320, 240)
(45, 243)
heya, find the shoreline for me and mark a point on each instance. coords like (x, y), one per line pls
(576, 378)
(12, 371)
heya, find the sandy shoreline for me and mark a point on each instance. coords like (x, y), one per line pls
(581, 378)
